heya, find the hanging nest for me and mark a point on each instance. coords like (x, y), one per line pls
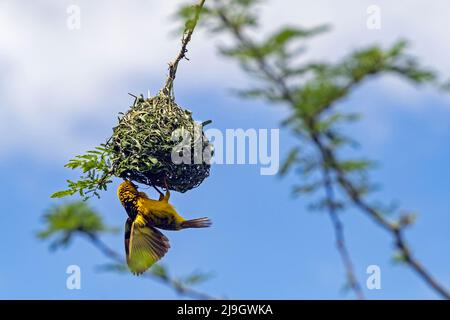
(141, 145)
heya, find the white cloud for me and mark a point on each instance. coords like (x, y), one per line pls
(52, 77)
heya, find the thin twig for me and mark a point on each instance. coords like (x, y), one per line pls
(395, 230)
(338, 227)
(174, 284)
(187, 35)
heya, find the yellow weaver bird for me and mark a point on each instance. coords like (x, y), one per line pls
(144, 244)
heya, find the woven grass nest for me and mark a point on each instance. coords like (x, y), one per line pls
(141, 145)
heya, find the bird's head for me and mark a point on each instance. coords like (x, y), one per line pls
(127, 191)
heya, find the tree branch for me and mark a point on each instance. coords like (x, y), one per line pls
(329, 159)
(396, 231)
(338, 227)
(286, 94)
(174, 284)
(187, 35)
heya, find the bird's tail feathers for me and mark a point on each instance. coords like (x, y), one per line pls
(196, 223)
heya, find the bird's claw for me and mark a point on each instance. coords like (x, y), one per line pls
(166, 185)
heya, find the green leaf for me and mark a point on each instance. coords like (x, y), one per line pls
(196, 277)
(160, 271)
(306, 188)
(97, 171)
(399, 257)
(291, 158)
(113, 267)
(355, 165)
(62, 194)
(278, 41)
(65, 220)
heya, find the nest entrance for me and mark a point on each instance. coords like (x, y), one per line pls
(141, 145)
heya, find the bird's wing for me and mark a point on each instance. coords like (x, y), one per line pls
(144, 245)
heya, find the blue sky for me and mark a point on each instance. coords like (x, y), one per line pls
(60, 92)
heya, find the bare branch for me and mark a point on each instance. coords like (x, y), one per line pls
(338, 227)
